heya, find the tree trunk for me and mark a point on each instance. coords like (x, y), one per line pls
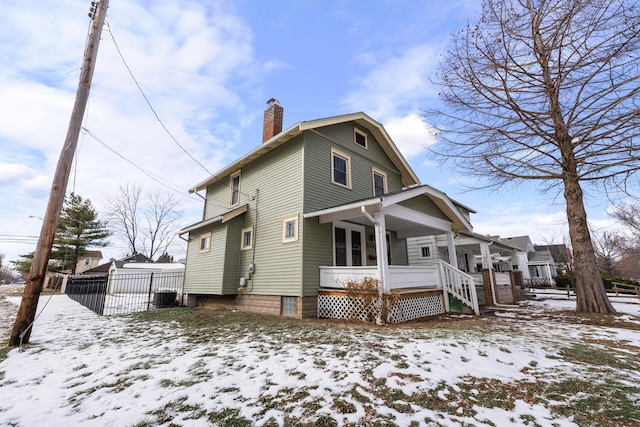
(591, 296)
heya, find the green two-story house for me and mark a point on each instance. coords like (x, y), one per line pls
(316, 205)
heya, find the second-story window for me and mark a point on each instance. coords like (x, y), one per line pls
(379, 183)
(340, 168)
(234, 189)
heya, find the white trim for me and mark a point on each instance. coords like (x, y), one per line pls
(348, 227)
(286, 239)
(336, 152)
(356, 132)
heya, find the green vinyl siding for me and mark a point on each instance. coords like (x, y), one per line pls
(320, 192)
(277, 176)
(205, 270)
(317, 250)
(425, 206)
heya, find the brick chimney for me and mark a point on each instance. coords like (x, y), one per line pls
(272, 120)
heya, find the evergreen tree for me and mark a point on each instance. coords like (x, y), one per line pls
(78, 229)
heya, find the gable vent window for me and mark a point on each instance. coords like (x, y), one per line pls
(360, 138)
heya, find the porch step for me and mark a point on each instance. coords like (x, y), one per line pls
(487, 311)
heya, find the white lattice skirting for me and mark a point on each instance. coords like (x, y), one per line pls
(407, 308)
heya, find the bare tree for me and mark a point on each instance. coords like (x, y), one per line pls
(547, 90)
(147, 222)
(123, 216)
(629, 216)
(162, 215)
(609, 248)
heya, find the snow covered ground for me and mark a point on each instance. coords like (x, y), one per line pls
(84, 369)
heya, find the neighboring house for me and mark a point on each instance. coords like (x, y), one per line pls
(536, 263)
(104, 268)
(315, 206)
(138, 277)
(91, 259)
(476, 255)
(561, 255)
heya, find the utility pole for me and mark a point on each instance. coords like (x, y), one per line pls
(26, 313)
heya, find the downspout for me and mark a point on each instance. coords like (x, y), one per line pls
(492, 284)
(376, 224)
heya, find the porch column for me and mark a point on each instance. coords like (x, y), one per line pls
(488, 277)
(381, 250)
(485, 253)
(451, 246)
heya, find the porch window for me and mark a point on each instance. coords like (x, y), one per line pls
(290, 229)
(247, 238)
(379, 183)
(360, 137)
(205, 242)
(340, 168)
(425, 251)
(348, 244)
(234, 189)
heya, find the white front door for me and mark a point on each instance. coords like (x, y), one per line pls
(348, 244)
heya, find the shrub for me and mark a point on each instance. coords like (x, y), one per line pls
(375, 305)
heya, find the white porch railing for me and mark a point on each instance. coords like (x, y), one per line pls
(440, 275)
(459, 284)
(400, 276)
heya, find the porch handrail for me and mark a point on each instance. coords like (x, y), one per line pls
(460, 284)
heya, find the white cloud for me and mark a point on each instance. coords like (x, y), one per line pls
(411, 134)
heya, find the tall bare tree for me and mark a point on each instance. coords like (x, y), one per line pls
(161, 214)
(146, 221)
(123, 214)
(547, 90)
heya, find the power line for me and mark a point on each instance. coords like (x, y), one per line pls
(250, 197)
(149, 103)
(151, 175)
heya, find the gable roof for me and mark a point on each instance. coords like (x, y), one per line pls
(354, 210)
(559, 252)
(520, 242)
(409, 178)
(543, 256)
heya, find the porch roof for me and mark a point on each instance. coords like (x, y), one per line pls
(471, 239)
(404, 221)
(227, 216)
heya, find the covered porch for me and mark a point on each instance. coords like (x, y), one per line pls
(417, 211)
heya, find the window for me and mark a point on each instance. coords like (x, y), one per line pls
(234, 189)
(360, 137)
(290, 229)
(379, 183)
(340, 168)
(289, 306)
(247, 238)
(86, 261)
(205, 242)
(425, 252)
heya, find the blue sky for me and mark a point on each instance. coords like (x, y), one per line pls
(208, 68)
